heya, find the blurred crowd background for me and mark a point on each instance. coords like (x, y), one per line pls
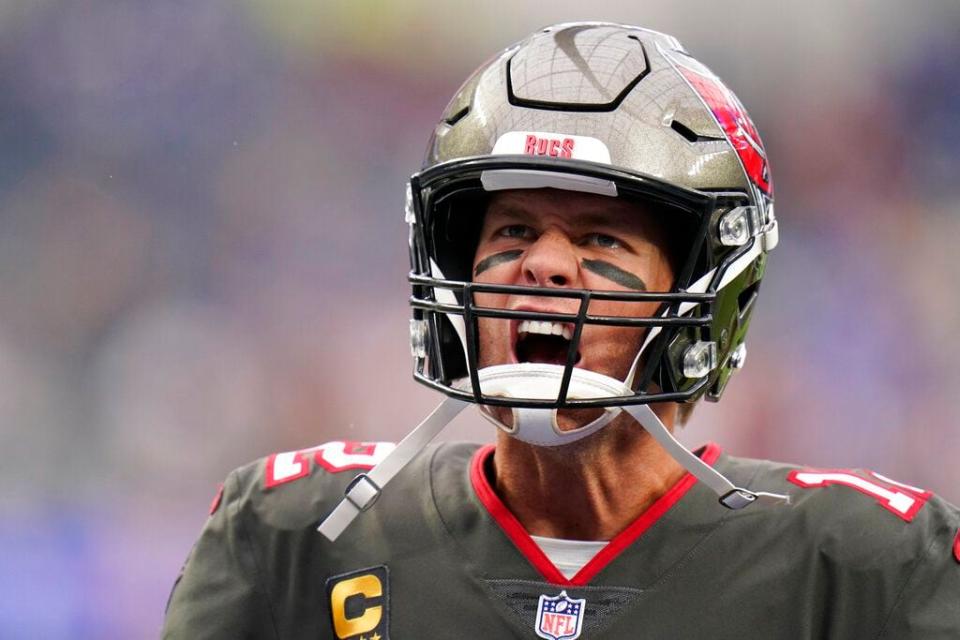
(203, 254)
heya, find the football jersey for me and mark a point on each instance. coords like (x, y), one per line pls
(438, 555)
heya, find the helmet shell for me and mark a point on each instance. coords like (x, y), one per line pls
(664, 121)
(625, 86)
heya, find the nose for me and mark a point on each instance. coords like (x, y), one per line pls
(551, 261)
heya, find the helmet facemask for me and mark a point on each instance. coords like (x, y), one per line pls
(446, 210)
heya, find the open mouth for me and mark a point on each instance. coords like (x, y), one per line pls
(544, 342)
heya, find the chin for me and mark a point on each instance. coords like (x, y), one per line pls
(570, 419)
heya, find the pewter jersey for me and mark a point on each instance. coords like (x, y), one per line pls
(856, 555)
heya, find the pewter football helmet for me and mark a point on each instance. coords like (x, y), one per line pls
(613, 110)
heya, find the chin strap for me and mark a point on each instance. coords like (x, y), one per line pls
(542, 382)
(731, 496)
(364, 490)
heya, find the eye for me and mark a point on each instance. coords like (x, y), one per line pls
(516, 231)
(603, 241)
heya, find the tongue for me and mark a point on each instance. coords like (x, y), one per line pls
(543, 349)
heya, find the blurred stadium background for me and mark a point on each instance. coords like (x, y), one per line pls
(203, 254)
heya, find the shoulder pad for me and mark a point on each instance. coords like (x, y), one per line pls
(295, 488)
(901, 500)
(853, 516)
(858, 515)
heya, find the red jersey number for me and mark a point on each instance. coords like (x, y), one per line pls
(900, 499)
(336, 456)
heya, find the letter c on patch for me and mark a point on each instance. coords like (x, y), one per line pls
(366, 586)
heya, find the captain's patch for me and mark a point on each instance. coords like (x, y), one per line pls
(560, 617)
(360, 604)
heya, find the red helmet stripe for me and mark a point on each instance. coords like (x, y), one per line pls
(736, 124)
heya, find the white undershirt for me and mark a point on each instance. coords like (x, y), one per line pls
(569, 556)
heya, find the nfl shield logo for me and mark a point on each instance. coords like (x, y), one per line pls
(560, 617)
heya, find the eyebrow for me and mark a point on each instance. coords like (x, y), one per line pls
(615, 274)
(510, 211)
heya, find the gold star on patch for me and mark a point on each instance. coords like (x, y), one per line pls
(375, 636)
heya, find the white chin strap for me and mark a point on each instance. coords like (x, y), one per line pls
(536, 426)
(539, 426)
(730, 495)
(365, 488)
(542, 382)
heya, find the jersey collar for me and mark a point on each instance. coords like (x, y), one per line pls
(653, 517)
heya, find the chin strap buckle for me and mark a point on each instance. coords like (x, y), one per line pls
(738, 498)
(362, 492)
(731, 496)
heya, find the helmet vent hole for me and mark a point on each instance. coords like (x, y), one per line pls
(458, 116)
(690, 134)
(746, 299)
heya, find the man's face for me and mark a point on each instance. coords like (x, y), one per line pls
(567, 240)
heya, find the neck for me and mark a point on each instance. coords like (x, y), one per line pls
(588, 490)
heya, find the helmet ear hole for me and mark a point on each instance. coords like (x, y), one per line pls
(746, 299)
(451, 350)
(458, 116)
(456, 230)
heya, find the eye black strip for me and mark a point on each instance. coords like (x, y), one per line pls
(496, 259)
(614, 273)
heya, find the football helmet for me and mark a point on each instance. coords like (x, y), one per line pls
(606, 109)
(613, 110)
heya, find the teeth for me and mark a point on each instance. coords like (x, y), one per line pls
(545, 328)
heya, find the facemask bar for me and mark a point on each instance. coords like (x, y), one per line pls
(712, 281)
(471, 314)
